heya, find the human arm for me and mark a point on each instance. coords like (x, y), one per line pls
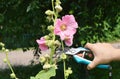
(103, 53)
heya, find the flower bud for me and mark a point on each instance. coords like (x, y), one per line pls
(50, 43)
(51, 34)
(58, 2)
(50, 28)
(63, 56)
(47, 56)
(6, 50)
(69, 70)
(2, 44)
(66, 74)
(5, 60)
(57, 43)
(46, 66)
(42, 59)
(12, 75)
(49, 12)
(55, 66)
(49, 18)
(46, 37)
(3, 48)
(58, 8)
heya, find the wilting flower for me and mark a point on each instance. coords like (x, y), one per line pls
(42, 43)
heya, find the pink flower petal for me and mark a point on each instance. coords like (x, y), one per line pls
(70, 32)
(43, 47)
(69, 20)
(69, 41)
(57, 29)
(41, 40)
(62, 36)
(41, 43)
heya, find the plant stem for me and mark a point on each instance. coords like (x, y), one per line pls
(53, 47)
(53, 5)
(55, 12)
(53, 8)
(8, 62)
(51, 54)
(62, 45)
(64, 65)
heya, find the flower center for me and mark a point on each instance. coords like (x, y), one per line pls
(63, 27)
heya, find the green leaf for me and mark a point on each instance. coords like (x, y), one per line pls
(32, 77)
(46, 74)
(1, 17)
(28, 8)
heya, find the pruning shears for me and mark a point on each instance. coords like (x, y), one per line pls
(82, 59)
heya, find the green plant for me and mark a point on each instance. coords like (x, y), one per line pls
(20, 20)
(97, 22)
(6, 60)
(65, 29)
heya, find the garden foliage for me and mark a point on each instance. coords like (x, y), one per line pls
(22, 21)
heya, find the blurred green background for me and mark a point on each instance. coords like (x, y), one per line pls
(23, 21)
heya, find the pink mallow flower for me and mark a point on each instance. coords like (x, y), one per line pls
(41, 42)
(66, 28)
(67, 25)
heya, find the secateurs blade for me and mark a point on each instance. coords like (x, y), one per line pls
(75, 52)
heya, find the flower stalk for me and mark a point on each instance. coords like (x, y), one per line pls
(65, 28)
(6, 60)
(64, 66)
(51, 54)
